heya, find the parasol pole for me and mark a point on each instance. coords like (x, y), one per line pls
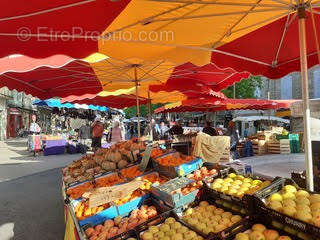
(137, 97)
(150, 114)
(305, 94)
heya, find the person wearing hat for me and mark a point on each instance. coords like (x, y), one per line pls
(97, 133)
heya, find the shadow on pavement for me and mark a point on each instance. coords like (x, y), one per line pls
(33, 207)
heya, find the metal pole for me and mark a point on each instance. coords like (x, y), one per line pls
(305, 96)
(137, 97)
(234, 91)
(150, 115)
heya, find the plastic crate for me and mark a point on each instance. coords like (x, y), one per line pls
(230, 233)
(211, 201)
(262, 209)
(108, 213)
(161, 218)
(161, 208)
(164, 192)
(245, 202)
(181, 170)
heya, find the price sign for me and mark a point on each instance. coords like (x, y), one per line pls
(145, 160)
(108, 194)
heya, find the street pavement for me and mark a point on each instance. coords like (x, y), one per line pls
(31, 205)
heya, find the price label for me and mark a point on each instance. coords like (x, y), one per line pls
(145, 160)
(109, 194)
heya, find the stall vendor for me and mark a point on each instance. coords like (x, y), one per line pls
(176, 129)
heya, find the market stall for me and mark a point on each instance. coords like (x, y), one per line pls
(138, 191)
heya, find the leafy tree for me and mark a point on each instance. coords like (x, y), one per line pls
(132, 111)
(246, 88)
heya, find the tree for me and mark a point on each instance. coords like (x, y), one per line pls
(132, 111)
(246, 88)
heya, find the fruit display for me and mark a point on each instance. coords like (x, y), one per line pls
(238, 185)
(106, 181)
(170, 229)
(260, 232)
(81, 170)
(131, 172)
(296, 203)
(148, 180)
(83, 211)
(208, 218)
(118, 156)
(174, 159)
(118, 225)
(197, 176)
(156, 152)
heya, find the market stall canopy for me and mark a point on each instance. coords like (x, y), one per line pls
(214, 104)
(119, 101)
(46, 28)
(57, 103)
(259, 118)
(189, 77)
(272, 50)
(160, 29)
(62, 77)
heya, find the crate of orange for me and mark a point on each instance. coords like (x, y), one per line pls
(106, 180)
(175, 164)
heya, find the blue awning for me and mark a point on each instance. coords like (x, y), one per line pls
(52, 102)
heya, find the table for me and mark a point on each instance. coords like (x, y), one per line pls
(54, 147)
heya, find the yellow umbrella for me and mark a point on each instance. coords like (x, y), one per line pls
(189, 30)
(184, 30)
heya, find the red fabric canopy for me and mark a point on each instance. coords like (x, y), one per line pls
(47, 82)
(214, 104)
(60, 17)
(188, 77)
(260, 47)
(119, 102)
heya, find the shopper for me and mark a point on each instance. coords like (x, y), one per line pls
(176, 129)
(209, 130)
(234, 139)
(163, 131)
(155, 130)
(97, 132)
(115, 134)
(85, 133)
(34, 127)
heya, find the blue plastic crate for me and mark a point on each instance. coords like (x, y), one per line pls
(164, 192)
(126, 208)
(181, 170)
(100, 217)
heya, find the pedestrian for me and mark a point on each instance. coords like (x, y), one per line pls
(115, 133)
(234, 139)
(155, 130)
(97, 132)
(209, 130)
(85, 134)
(34, 127)
(163, 131)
